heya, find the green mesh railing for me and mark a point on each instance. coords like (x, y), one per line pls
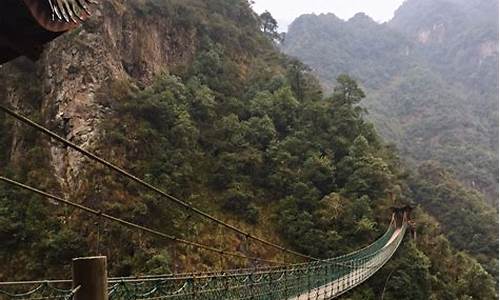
(316, 280)
(38, 290)
(325, 279)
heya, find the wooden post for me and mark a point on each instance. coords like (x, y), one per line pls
(90, 273)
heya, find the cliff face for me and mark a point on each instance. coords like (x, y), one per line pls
(237, 130)
(118, 43)
(69, 90)
(459, 38)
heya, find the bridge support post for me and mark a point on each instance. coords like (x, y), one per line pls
(402, 215)
(91, 275)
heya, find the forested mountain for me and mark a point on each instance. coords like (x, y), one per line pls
(431, 74)
(196, 98)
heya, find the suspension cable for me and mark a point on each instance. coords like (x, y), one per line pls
(133, 225)
(147, 185)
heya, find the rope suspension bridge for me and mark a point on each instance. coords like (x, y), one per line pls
(313, 279)
(324, 279)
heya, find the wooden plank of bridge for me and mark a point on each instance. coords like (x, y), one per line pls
(90, 273)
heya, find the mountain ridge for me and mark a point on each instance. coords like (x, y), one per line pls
(195, 98)
(381, 55)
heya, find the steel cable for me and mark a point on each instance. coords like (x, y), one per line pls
(328, 279)
(147, 185)
(132, 225)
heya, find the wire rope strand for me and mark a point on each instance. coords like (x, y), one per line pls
(147, 185)
(132, 225)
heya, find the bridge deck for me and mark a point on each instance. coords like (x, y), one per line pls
(345, 283)
(326, 279)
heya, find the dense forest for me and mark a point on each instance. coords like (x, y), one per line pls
(431, 75)
(234, 127)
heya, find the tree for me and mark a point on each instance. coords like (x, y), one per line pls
(411, 279)
(239, 201)
(347, 91)
(269, 27)
(363, 172)
(303, 83)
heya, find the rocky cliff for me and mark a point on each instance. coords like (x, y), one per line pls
(119, 43)
(235, 128)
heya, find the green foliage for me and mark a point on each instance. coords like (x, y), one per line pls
(469, 224)
(251, 154)
(429, 99)
(304, 85)
(269, 26)
(158, 263)
(411, 279)
(27, 233)
(240, 202)
(365, 174)
(242, 132)
(431, 76)
(428, 268)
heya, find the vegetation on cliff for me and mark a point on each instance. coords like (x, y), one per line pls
(243, 132)
(431, 75)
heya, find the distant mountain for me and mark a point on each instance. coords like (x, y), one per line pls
(194, 98)
(459, 38)
(431, 74)
(331, 47)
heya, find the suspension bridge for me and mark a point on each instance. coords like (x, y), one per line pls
(324, 279)
(313, 279)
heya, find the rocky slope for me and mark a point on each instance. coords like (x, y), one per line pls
(75, 89)
(115, 44)
(195, 99)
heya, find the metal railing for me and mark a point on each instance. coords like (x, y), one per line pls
(325, 279)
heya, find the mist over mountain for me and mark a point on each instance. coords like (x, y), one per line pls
(195, 98)
(431, 74)
(458, 38)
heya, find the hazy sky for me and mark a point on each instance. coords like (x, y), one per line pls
(285, 11)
